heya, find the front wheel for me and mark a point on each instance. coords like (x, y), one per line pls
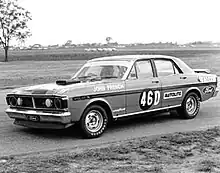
(93, 121)
(190, 106)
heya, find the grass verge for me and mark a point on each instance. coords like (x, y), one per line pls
(196, 151)
(22, 73)
(62, 65)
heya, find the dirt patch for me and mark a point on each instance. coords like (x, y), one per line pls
(197, 151)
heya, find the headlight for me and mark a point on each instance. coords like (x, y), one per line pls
(19, 101)
(13, 101)
(58, 103)
(48, 103)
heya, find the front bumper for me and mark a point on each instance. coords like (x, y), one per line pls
(38, 119)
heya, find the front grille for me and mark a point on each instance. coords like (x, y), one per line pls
(36, 102)
(27, 102)
(40, 103)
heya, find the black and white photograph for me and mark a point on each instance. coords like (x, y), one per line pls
(109, 86)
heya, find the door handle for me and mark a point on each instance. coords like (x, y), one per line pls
(184, 77)
(155, 81)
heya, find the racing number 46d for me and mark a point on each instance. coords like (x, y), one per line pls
(149, 98)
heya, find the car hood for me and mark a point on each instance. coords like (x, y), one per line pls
(52, 88)
(77, 88)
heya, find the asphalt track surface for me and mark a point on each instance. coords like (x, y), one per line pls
(16, 140)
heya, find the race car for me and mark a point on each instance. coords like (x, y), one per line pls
(109, 88)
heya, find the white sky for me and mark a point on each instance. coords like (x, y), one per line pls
(126, 21)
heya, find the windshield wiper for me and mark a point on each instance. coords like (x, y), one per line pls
(108, 77)
(95, 78)
(83, 77)
(90, 78)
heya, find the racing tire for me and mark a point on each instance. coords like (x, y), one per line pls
(93, 122)
(190, 106)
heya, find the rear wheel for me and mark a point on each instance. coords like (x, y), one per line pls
(190, 106)
(93, 121)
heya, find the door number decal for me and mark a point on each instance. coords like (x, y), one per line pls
(149, 98)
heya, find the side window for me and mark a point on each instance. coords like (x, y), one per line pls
(164, 67)
(144, 69)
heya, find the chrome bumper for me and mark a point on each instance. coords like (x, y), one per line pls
(37, 117)
(216, 92)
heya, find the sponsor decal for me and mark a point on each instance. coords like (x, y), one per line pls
(172, 94)
(99, 88)
(115, 87)
(109, 87)
(118, 110)
(207, 78)
(208, 90)
(149, 98)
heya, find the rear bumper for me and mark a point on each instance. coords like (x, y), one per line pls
(36, 119)
(216, 92)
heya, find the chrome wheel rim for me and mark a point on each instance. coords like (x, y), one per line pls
(94, 121)
(191, 105)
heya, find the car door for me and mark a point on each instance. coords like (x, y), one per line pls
(173, 82)
(143, 89)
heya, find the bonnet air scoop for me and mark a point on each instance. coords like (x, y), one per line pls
(66, 82)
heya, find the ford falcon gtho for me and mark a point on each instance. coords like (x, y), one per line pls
(110, 88)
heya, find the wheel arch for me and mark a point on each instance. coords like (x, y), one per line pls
(103, 103)
(195, 90)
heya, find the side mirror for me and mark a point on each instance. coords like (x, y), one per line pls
(132, 76)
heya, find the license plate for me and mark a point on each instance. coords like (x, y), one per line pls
(33, 117)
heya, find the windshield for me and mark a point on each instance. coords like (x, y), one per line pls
(102, 70)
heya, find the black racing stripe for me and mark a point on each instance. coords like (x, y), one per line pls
(140, 90)
(98, 95)
(110, 94)
(117, 93)
(188, 85)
